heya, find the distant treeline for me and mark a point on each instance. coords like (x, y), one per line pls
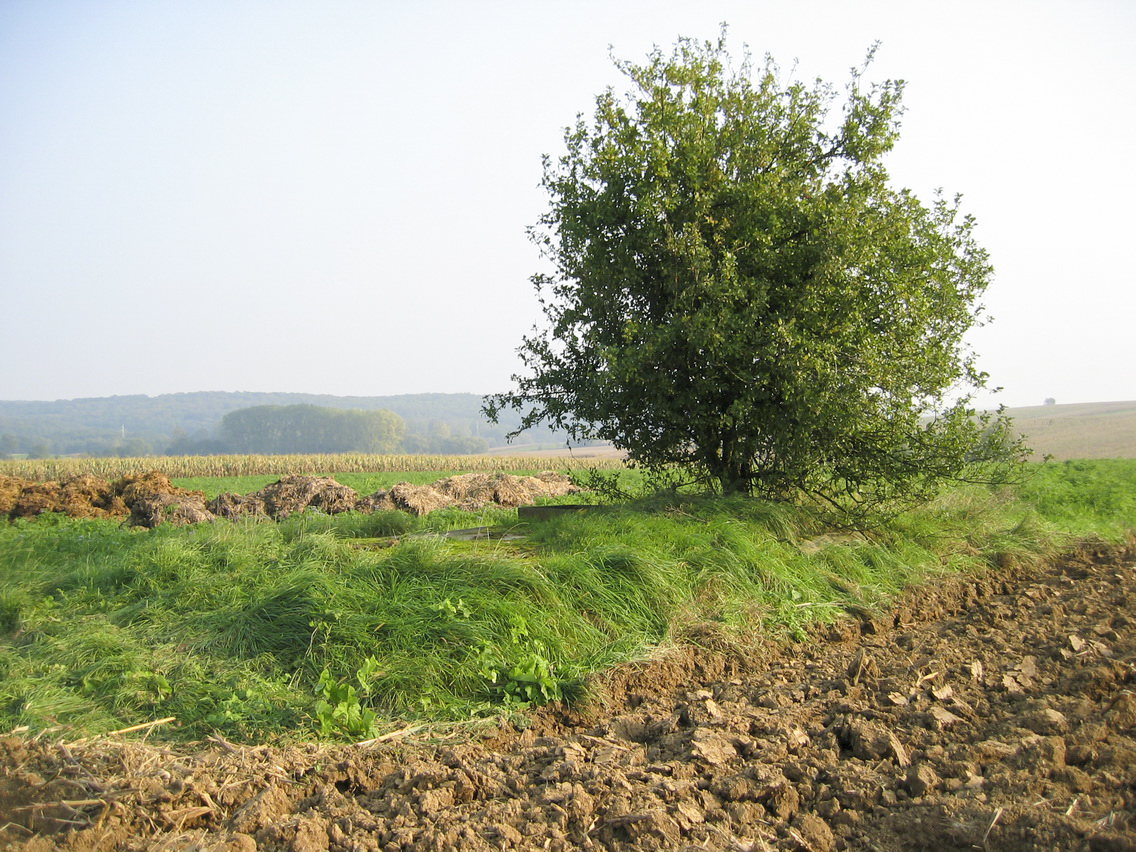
(217, 423)
(281, 430)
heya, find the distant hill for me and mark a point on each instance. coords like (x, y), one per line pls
(204, 409)
(140, 424)
(1091, 430)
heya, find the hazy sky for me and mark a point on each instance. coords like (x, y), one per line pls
(331, 196)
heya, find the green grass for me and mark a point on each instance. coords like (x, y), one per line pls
(324, 626)
(364, 483)
(1086, 497)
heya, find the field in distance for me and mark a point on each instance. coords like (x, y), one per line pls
(1091, 430)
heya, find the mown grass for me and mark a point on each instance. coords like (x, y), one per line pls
(325, 626)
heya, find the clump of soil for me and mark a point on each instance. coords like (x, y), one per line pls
(36, 498)
(994, 713)
(143, 500)
(91, 493)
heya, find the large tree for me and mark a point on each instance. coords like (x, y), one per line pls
(737, 288)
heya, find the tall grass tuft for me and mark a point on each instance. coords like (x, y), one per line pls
(1085, 497)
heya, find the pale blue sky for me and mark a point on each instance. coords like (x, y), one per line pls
(331, 197)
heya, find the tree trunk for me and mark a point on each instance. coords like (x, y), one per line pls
(732, 468)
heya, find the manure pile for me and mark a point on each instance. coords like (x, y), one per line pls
(149, 499)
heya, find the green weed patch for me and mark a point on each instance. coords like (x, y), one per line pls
(345, 626)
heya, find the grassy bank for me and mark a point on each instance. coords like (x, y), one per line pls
(345, 626)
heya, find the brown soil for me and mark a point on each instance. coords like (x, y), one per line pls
(993, 714)
(232, 506)
(10, 488)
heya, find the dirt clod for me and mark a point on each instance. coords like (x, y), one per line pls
(921, 779)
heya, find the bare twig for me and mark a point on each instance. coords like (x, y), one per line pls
(989, 828)
(401, 732)
(224, 743)
(144, 726)
(70, 804)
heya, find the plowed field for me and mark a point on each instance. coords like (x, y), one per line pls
(996, 713)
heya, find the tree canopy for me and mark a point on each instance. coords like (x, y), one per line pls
(737, 289)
